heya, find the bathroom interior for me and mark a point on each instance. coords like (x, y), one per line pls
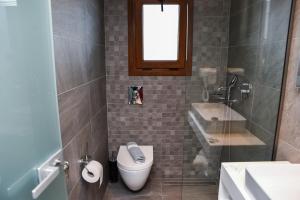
(206, 90)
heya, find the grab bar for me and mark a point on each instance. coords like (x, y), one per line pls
(50, 174)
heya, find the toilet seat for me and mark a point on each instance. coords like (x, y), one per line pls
(126, 162)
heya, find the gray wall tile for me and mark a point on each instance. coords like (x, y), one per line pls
(276, 22)
(240, 5)
(244, 57)
(80, 69)
(161, 121)
(69, 18)
(70, 62)
(270, 64)
(265, 107)
(245, 25)
(74, 112)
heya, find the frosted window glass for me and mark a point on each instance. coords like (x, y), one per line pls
(160, 32)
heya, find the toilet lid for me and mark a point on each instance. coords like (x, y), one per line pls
(126, 162)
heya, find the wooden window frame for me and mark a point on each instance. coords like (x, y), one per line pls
(139, 67)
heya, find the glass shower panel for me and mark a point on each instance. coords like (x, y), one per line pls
(29, 126)
(233, 94)
(258, 50)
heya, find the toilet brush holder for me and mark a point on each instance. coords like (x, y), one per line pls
(113, 168)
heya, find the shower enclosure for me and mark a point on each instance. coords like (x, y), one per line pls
(234, 93)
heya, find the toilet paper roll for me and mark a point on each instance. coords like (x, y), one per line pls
(93, 172)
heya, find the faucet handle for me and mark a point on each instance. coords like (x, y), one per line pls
(245, 89)
(249, 85)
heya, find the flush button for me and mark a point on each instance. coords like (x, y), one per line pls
(135, 95)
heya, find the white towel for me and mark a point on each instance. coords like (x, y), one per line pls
(135, 152)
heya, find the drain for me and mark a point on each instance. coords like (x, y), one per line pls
(213, 140)
(214, 119)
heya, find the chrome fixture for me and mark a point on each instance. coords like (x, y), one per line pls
(84, 160)
(245, 89)
(135, 95)
(231, 84)
(64, 164)
(233, 81)
(225, 93)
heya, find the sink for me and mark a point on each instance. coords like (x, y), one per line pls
(218, 118)
(274, 181)
(220, 139)
(233, 180)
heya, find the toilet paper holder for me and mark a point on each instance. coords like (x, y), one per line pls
(84, 160)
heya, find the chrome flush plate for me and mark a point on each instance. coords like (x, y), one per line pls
(135, 95)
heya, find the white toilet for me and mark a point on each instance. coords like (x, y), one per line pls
(134, 175)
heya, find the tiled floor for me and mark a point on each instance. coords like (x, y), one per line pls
(155, 190)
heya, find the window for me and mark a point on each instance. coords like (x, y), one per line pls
(160, 37)
(160, 32)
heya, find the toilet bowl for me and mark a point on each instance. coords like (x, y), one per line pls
(134, 174)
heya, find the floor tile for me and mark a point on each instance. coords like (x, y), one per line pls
(156, 190)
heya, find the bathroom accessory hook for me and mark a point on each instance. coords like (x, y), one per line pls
(162, 5)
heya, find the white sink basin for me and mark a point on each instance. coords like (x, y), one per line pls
(218, 118)
(274, 182)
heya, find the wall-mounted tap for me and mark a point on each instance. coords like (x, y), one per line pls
(232, 84)
(233, 81)
(225, 93)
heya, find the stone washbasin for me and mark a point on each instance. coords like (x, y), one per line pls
(218, 118)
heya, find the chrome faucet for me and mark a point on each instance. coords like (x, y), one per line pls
(233, 81)
(224, 93)
(232, 84)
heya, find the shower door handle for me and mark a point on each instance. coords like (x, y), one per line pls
(50, 174)
(47, 173)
